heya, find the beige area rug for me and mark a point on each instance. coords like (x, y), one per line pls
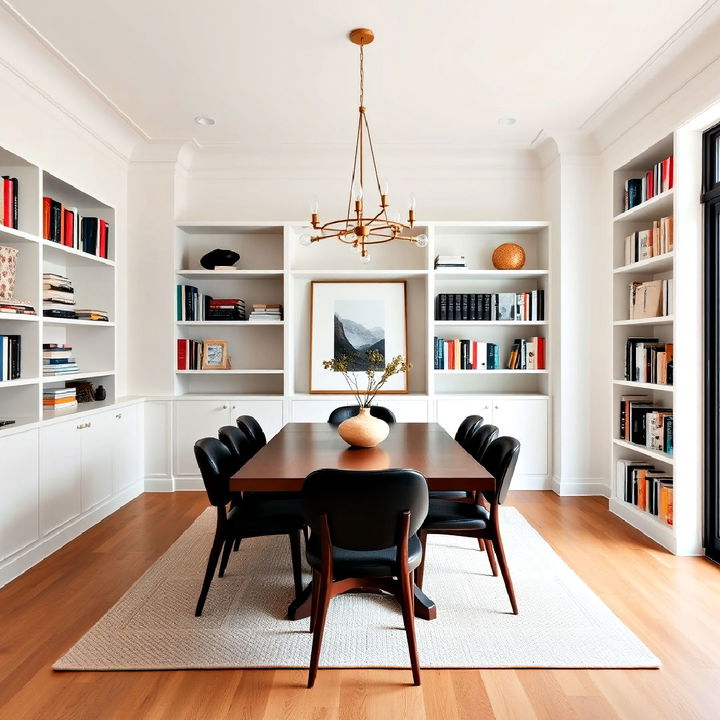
(562, 623)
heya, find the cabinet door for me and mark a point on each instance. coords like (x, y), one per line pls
(269, 413)
(451, 412)
(98, 457)
(195, 419)
(19, 506)
(405, 410)
(526, 420)
(60, 474)
(127, 447)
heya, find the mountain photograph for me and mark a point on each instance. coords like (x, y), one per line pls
(358, 328)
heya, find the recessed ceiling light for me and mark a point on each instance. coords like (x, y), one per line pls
(507, 121)
(202, 120)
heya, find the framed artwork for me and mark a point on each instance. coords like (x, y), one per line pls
(349, 318)
(215, 355)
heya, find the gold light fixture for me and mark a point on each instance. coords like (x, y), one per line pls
(356, 229)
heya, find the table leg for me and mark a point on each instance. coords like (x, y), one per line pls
(425, 608)
(300, 607)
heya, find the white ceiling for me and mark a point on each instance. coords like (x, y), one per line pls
(279, 72)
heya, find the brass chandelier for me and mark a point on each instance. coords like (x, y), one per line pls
(356, 229)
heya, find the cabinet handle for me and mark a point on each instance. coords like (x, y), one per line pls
(119, 416)
(79, 427)
(224, 407)
(497, 407)
(234, 407)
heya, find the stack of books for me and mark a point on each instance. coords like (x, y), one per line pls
(527, 354)
(58, 360)
(466, 355)
(265, 313)
(189, 354)
(60, 398)
(224, 309)
(18, 307)
(449, 261)
(650, 299)
(647, 360)
(65, 226)
(652, 183)
(522, 306)
(58, 297)
(641, 484)
(96, 315)
(9, 202)
(9, 357)
(643, 423)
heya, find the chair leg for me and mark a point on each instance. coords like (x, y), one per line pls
(237, 544)
(225, 556)
(319, 626)
(306, 534)
(420, 571)
(491, 557)
(296, 561)
(209, 572)
(315, 599)
(497, 542)
(408, 611)
(481, 544)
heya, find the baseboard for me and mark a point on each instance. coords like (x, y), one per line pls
(530, 482)
(158, 483)
(189, 482)
(31, 555)
(580, 486)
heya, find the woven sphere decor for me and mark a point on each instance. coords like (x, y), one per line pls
(508, 256)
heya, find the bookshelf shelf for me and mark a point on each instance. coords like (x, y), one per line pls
(77, 376)
(55, 252)
(231, 323)
(19, 382)
(655, 454)
(489, 323)
(499, 371)
(367, 274)
(651, 209)
(229, 274)
(17, 236)
(647, 523)
(17, 317)
(644, 386)
(664, 320)
(253, 371)
(468, 274)
(70, 322)
(657, 264)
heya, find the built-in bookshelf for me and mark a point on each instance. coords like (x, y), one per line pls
(644, 261)
(94, 282)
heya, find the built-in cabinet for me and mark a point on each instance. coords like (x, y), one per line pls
(64, 476)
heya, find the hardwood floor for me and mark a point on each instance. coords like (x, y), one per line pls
(673, 604)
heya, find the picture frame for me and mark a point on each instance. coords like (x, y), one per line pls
(215, 355)
(349, 317)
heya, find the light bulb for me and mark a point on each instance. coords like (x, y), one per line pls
(412, 201)
(396, 217)
(357, 191)
(305, 240)
(365, 257)
(385, 187)
(315, 207)
(421, 240)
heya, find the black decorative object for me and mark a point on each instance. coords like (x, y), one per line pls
(219, 257)
(100, 393)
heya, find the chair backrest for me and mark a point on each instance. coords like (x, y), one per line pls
(500, 460)
(238, 442)
(479, 441)
(252, 428)
(364, 507)
(341, 414)
(466, 427)
(216, 465)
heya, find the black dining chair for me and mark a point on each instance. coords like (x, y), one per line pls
(341, 414)
(466, 428)
(479, 440)
(363, 535)
(253, 430)
(471, 520)
(244, 519)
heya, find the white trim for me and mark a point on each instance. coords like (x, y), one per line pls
(578, 487)
(158, 483)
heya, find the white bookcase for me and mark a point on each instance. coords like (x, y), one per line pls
(94, 281)
(271, 362)
(663, 266)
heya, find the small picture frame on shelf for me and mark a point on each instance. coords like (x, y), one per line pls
(215, 355)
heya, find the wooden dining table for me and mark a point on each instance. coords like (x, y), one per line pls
(300, 448)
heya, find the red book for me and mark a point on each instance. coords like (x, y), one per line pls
(451, 355)
(8, 202)
(68, 221)
(540, 351)
(182, 354)
(670, 172)
(46, 218)
(103, 238)
(474, 355)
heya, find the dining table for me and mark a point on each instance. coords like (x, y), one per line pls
(300, 448)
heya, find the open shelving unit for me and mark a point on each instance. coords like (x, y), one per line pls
(95, 284)
(662, 266)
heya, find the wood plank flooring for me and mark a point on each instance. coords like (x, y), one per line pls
(673, 604)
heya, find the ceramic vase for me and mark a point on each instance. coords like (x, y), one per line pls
(363, 430)
(7, 271)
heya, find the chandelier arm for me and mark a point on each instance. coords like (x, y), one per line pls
(323, 237)
(352, 179)
(374, 162)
